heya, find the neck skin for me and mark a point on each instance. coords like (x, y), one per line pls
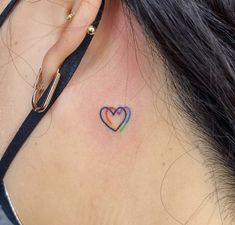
(81, 172)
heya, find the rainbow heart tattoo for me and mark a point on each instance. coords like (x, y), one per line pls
(115, 119)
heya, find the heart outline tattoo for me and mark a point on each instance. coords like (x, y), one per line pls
(115, 119)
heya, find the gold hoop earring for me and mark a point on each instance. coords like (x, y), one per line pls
(39, 89)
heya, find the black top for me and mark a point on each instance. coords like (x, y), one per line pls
(8, 215)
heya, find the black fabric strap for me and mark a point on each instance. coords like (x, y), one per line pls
(6, 207)
(67, 70)
(7, 11)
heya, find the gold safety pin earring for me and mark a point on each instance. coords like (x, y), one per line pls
(39, 89)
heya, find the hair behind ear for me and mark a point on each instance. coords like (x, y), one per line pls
(224, 9)
(197, 39)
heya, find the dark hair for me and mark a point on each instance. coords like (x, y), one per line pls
(197, 39)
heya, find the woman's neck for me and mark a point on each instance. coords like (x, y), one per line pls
(76, 170)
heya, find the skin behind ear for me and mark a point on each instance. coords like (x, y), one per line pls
(74, 32)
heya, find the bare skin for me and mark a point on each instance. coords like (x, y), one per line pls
(73, 169)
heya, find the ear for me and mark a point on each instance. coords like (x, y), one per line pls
(75, 30)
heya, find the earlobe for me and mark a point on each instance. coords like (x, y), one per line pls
(82, 16)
